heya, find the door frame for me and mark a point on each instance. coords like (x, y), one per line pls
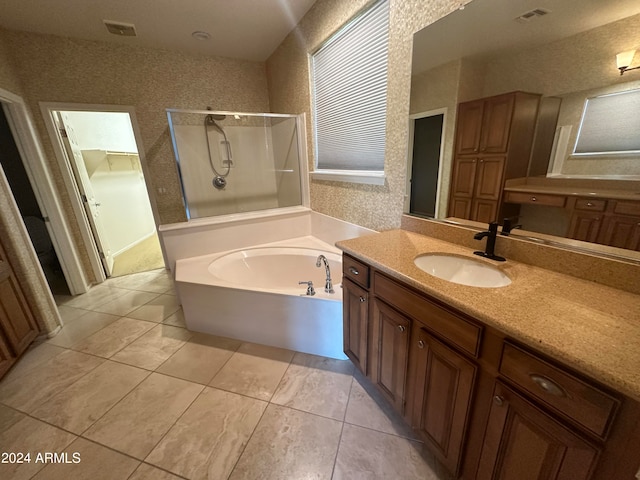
(35, 163)
(47, 109)
(412, 123)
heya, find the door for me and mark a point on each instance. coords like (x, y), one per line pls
(524, 443)
(425, 165)
(356, 323)
(390, 353)
(585, 226)
(622, 232)
(89, 201)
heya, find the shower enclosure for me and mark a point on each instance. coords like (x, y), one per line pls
(232, 162)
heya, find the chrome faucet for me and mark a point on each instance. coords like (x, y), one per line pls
(328, 286)
(309, 284)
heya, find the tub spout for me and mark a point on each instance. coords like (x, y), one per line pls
(328, 286)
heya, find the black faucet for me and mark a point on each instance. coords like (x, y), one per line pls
(491, 242)
(507, 226)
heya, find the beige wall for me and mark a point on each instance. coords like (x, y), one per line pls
(56, 69)
(377, 207)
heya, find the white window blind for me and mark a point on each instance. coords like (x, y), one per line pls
(350, 94)
(610, 124)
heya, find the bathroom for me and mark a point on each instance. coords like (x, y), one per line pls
(54, 67)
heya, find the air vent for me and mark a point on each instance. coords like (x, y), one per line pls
(121, 29)
(531, 15)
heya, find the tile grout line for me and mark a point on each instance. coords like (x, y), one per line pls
(335, 459)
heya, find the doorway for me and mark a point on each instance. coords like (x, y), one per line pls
(425, 169)
(100, 154)
(32, 216)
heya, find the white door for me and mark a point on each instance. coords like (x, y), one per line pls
(91, 204)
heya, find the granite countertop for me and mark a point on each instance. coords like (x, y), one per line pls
(574, 191)
(590, 327)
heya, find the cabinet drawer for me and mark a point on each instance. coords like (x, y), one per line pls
(590, 204)
(355, 271)
(535, 199)
(582, 402)
(627, 208)
(456, 329)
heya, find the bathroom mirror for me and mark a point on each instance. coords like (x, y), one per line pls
(564, 50)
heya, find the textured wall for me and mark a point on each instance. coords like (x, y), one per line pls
(377, 207)
(56, 69)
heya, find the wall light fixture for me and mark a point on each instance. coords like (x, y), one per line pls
(623, 61)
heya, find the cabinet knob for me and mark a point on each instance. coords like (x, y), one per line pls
(589, 204)
(533, 199)
(420, 344)
(548, 385)
(498, 400)
(401, 328)
(354, 271)
(362, 299)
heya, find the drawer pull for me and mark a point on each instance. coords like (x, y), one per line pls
(533, 199)
(401, 328)
(362, 299)
(354, 271)
(548, 385)
(498, 400)
(589, 204)
(420, 344)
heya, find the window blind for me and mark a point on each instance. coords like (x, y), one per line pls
(610, 124)
(350, 94)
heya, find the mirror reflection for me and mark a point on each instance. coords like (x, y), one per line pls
(520, 111)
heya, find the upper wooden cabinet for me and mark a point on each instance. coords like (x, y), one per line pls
(494, 137)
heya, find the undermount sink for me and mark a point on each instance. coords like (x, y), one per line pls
(464, 271)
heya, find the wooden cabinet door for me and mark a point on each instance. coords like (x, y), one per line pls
(443, 390)
(355, 305)
(464, 177)
(469, 126)
(488, 183)
(460, 207)
(622, 232)
(6, 358)
(16, 320)
(389, 352)
(585, 226)
(496, 125)
(485, 211)
(523, 443)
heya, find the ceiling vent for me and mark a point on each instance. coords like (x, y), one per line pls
(531, 15)
(120, 29)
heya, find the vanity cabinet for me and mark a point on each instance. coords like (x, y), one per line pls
(494, 137)
(486, 406)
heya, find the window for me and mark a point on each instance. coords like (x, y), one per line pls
(350, 99)
(610, 125)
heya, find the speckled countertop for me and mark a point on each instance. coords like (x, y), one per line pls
(590, 327)
(574, 191)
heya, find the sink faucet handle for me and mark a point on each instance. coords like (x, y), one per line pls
(309, 284)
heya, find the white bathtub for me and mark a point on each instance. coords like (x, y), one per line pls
(253, 295)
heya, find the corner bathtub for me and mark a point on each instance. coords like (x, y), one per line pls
(253, 295)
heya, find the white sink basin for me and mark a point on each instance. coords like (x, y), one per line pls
(464, 271)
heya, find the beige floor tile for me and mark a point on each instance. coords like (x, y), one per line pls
(94, 462)
(147, 472)
(176, 319)
(288, 444)
(32, 436)
(8, 417)
(125, 303)
(81, 327)
(207, 440)
(160, 284)
(315, 384)
(367, 454)
(96, 296)
(79, 406)
(133, 281)
(136, 424)
(200, 358)
(68, 314)
(30, 390)
(157, 309)
(34, 357)
(154, 347)
(368, 409)
(254, 370)
(114, 337)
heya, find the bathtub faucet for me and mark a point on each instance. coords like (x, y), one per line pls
(328, 286)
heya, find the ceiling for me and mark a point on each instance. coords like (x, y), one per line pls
(244, 29)
(486, 27)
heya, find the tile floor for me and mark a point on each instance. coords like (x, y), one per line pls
(138, 396)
